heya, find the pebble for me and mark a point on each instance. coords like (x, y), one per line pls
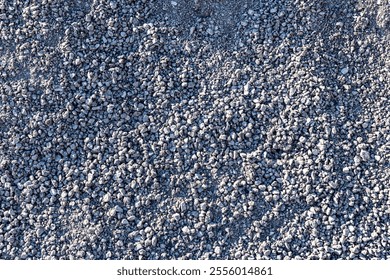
(183, 206)
(106, 197)
(154, 241)
(365, 155)
(138, 247)
(40, 231)
(185, 230)
(113, 211)
(344, 70)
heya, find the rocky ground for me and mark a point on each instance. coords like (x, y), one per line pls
(194, 129)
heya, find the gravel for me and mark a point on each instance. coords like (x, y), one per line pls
(202, 129)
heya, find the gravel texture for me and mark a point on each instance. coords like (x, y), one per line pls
(194, 129)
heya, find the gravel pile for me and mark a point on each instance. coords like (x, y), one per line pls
(194, 129)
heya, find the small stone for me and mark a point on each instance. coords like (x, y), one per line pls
(355, 249)
(106, 197)
(365, 155)
(344, 70)
(90, 177)
(183, 207)
(40, 231)
(176, 216)
(154, 241)
(357, 160)
(138, 246)
(203, 206)
(113, 5)
(113, 211)
(185, 230)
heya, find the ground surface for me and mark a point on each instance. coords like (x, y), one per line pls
(194, 129)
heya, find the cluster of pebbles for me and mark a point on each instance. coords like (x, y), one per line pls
(194, 129)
